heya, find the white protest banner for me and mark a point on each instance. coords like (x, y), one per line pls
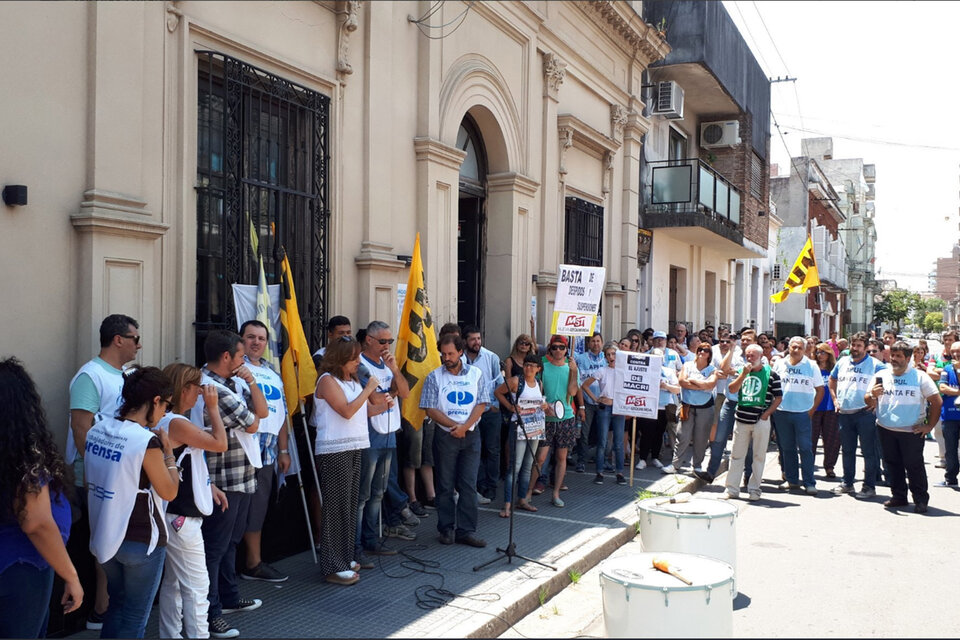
(245, 303)
(577, 300)
(637, 384)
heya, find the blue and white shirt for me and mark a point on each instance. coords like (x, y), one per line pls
(665, 396)
(799, 383)
(455, 395)
(854, 380)
(903, 404)
(697, 397)
(587, 363)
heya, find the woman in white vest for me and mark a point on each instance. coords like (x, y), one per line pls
(130, 469)
(340, 408)
(183, 592)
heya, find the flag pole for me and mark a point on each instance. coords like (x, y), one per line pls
(306, 431)
(633, 445)
(292, 443)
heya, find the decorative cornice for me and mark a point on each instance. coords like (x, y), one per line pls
(512, 182)
(629, 27)
(347, 15)
(116, 214)
(430, 150)
(377, 256)
(585, 136)
(554, 71)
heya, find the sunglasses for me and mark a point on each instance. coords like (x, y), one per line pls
(136, 339)
(383, 341)
(526, 344)
(558, 347)
(724, 342)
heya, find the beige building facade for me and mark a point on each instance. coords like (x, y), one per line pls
(153, 136)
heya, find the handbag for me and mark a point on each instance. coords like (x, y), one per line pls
(683, 413)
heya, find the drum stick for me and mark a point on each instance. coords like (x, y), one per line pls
(680, 497)
(633, 446)
(662, 565)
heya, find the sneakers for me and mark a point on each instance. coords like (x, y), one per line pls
(657, 463)
(598, 479)
(219, 628)
(538, 488)
(581, 468)
(362, 561)
(263, 572)
(811, 491)
(482, 499)
(95, 620)
(417, 509)
(943, 484)
(893, 503)
(621, 480)
(789, 486)
(243, 604)
(409, 519)
(641, 465)
(754, 497)
(667, 469)
(447, 537)
(400, 531)
(920, 507)
(843, 488)
(865, 492)
(429, 503)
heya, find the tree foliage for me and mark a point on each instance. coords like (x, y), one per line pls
(933, 322)
(930, 305)
(894, 306)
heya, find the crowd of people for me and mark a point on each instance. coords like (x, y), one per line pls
(174, 469)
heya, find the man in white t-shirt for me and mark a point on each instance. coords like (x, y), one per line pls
(273, 448)
(96, 390)
(907, 404)
(802, 386)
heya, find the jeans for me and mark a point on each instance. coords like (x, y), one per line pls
(521, 457)
(951, 440)
(488, 473)
(651, 436)
(396, 498)
(745, 435)
(794, 436)
(903, 451)
(724, 427)
(862, 425)
(455, 464)
(132, 581)
(222, 531)
(25, 601)
(183, 592)
(374, 472)
(604, 421)
(695, 431)
(581, 449)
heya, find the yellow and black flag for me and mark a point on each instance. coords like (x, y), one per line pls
(802, 276)
(296, 368)
(417, 354)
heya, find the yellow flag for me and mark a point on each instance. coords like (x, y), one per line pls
(296, 368)
(417, 353)
(802, 276)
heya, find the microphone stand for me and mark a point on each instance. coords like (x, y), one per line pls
(510, 551)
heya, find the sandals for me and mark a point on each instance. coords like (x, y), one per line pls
(526, 506)
(557, 502)
(505, 512)
(344, 578)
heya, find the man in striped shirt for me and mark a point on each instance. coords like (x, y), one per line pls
(758, 395)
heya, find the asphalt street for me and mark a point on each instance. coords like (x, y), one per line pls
(824, 566)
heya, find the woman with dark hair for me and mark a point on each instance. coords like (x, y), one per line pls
(183, 592)
(34, 512)
(824, 420)
(340, 407)
(130, 469)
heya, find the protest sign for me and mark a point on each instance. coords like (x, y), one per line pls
(637, 384)
(578, 300)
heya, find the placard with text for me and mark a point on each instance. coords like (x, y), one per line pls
(637, 389)
(578, 300)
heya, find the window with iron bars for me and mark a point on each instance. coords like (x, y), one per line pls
(584, 233)
(262, 168)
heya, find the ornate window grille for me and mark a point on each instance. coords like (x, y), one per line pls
(584, 233)
(262, 162)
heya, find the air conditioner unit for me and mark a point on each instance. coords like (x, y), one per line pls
(669, 101)
(719, 134)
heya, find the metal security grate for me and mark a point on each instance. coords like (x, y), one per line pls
(262, 159)
(584, 233)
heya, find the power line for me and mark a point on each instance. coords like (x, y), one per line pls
(756, 44)
(880, 141)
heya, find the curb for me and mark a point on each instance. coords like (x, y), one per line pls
(530, 601)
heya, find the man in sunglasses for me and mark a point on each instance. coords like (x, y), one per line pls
(479, 356)
(96, 389)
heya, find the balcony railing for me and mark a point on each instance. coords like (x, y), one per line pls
(690, 192)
